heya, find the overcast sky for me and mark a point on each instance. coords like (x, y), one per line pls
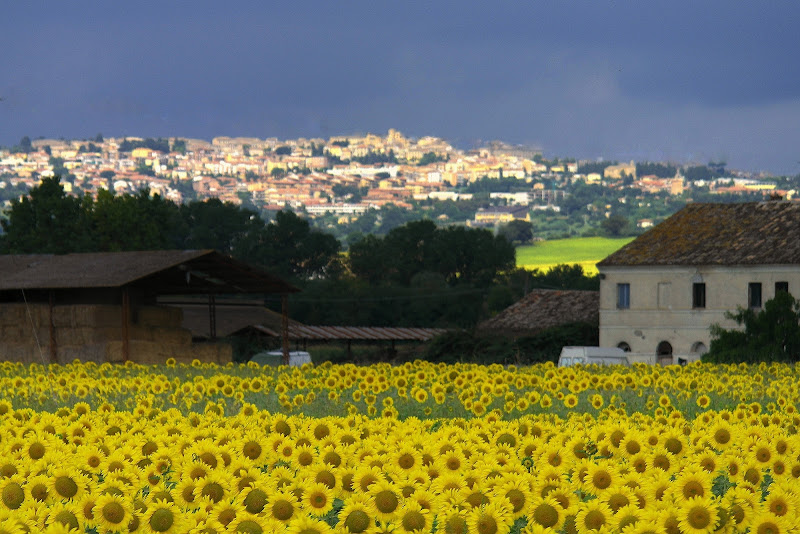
(681, 80)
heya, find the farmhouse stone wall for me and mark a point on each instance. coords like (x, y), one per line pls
(95, 333)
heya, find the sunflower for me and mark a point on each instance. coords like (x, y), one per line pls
(164, 516)
(253, 524)
(781, 502)
(12, 492)
(365, 476)
(282, 506)
(698, 515)
(386, 499)
(492, 518)
(600, 476)
(356, 514)
(594, 516)
(66, 513)
(412, 517)
(691, 483)
(517, 492)
(307, 525)
(221, 514)
(112, 512)
(67, 484)
(546, 512)
(317, 499)
(766, 523)
(626, 516)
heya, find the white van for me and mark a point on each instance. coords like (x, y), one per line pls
(275, 357)
(587, 355)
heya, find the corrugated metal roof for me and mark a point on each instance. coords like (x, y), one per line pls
(354, 332)
(164, 271)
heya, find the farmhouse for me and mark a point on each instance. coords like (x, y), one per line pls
(660, 293)
(104, 307)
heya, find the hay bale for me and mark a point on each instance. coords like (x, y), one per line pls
(160, 316)
(174, 336)
(12, 314)
(63, 316)
(97, 315)
(105, 334)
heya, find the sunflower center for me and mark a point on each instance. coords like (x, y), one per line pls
(456, 524)
(516, 498)
(594, 520)
(327, 478)
(318, 500)
(65, 517)
(36, 450)
(486, 525)
(282, 510)
(161, 520)
(226, 516)
(693, 488)
(213, 491)
(768, 527)
(357, 521)
(386, 501)
(113, 512)
(252, 450)
(39, 492)
(698, 517)
(249, 527)
(546, 515)
(722, 436)
(66, 487)
(255, 501)
(406, 461)
(778, 507)
(601, 480)
(13, 495)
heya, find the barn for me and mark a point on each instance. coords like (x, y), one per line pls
(104, 307)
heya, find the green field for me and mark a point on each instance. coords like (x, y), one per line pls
(586, 251)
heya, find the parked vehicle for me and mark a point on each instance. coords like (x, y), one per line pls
(588, 355)
(275, 357)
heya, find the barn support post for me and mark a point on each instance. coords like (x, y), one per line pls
(126, 311)
(212, 317)
(53, 343)
(285, 327)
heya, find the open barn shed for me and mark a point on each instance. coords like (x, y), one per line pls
(104, 307)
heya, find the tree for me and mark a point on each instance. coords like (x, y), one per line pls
(615, 225)
(288, 247)
(771, 334)
(134, 222)
(217, 225)
(47, 221)
(518, 232)
(283, 150)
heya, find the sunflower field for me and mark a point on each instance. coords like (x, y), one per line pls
(419, 447)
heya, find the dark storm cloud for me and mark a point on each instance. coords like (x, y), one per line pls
(589, 79)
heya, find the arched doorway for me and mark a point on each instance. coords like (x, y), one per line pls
(624, 346)
(698, 349)
(664, 353)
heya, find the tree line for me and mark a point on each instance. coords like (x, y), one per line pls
(418, 274)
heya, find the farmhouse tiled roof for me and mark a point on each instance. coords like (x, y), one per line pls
(751, 233)
(545, 308)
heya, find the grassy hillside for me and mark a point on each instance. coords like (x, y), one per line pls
(586, 251)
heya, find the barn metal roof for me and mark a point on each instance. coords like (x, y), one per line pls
(354, 332)
(159, 271)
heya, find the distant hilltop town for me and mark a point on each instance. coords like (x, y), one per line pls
(346, 176)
